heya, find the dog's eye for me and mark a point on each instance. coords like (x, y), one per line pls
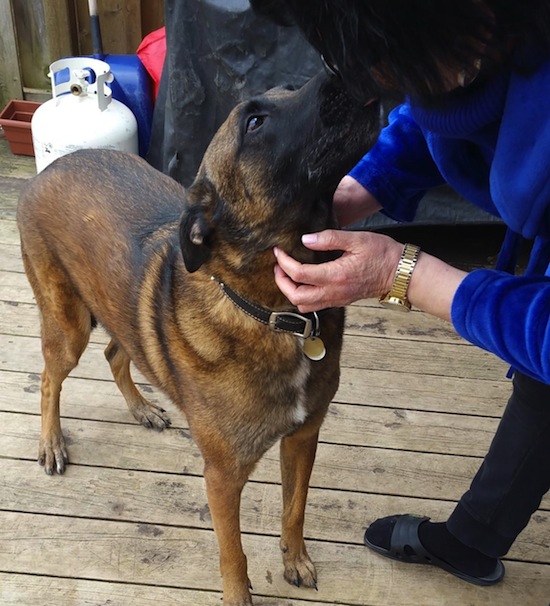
(254, 122)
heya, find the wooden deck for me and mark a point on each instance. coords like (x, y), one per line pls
(128, 524)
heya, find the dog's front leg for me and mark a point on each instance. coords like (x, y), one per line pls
(148, 414)
(297, 458)
(224, 487)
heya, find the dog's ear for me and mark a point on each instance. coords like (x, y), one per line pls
(195, 238)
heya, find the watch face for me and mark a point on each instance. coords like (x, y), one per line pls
(395, 303)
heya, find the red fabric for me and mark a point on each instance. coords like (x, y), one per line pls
(152, 52)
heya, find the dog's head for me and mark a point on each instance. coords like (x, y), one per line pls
(271, 170)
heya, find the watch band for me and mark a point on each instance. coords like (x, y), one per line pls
(397, 297)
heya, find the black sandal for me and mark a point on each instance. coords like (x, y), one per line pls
(405, 546)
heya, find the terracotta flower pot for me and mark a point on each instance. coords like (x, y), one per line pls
(15, 120)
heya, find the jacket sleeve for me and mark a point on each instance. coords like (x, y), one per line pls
(399, 169)
(508, 316)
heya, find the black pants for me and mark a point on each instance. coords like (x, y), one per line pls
(514, 476)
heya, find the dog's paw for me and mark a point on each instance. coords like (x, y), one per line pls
(237, 594)
(150, 415)
(300, 571)
(52, 454)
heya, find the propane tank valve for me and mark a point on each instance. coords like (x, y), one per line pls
(81, 86)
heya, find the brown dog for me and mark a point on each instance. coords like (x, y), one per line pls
(183, 282)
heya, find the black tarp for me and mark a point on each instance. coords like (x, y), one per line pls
(220, 52)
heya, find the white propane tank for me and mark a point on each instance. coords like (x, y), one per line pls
(82, 113)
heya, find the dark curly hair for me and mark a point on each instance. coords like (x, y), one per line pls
(411, 46)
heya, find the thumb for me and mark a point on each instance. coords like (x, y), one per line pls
(329, 239)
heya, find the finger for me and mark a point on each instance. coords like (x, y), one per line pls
(288, 263)
(297, 294)
(327, 240)
(306, 298)
(286, 285)
(302, 273)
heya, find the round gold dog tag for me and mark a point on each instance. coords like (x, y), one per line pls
(314, 348)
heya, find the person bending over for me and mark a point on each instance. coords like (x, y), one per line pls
(474, 76)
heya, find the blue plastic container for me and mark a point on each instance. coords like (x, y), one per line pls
(132, 84)
(133, 87)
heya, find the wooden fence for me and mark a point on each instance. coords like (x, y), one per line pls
(34, 33)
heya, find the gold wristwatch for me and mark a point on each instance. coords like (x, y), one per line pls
(397, 297)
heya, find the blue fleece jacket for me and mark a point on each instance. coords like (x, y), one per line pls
(492, 146)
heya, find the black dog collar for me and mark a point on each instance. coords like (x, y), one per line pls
(301, 325)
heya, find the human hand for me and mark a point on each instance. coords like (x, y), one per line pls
(352, 202)
(365, 269)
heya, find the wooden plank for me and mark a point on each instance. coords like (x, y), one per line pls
(11, 165)
(379, 427)
(23, 354)
(18, 318)
(10, 74)
(166, 499)
(14, 173)
(31, 590)
(375, 321)
(466, 395)
(9, 194)
(82, 398)
(10, 255)
(32, 43)
(9, 234)
(120, 24)
(57, 21)
(21, 318)
(423, 392)
(358, 386)
(416, 431)
(152, 15)
(433, 358)
(43, 36)
(372, 386)
(14, 287)
(187, 558)
(409, 430)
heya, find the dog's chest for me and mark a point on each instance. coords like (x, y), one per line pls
(290, 405)
(301, 380)
(281, 409)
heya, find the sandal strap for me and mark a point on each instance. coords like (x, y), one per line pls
(405, 534)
